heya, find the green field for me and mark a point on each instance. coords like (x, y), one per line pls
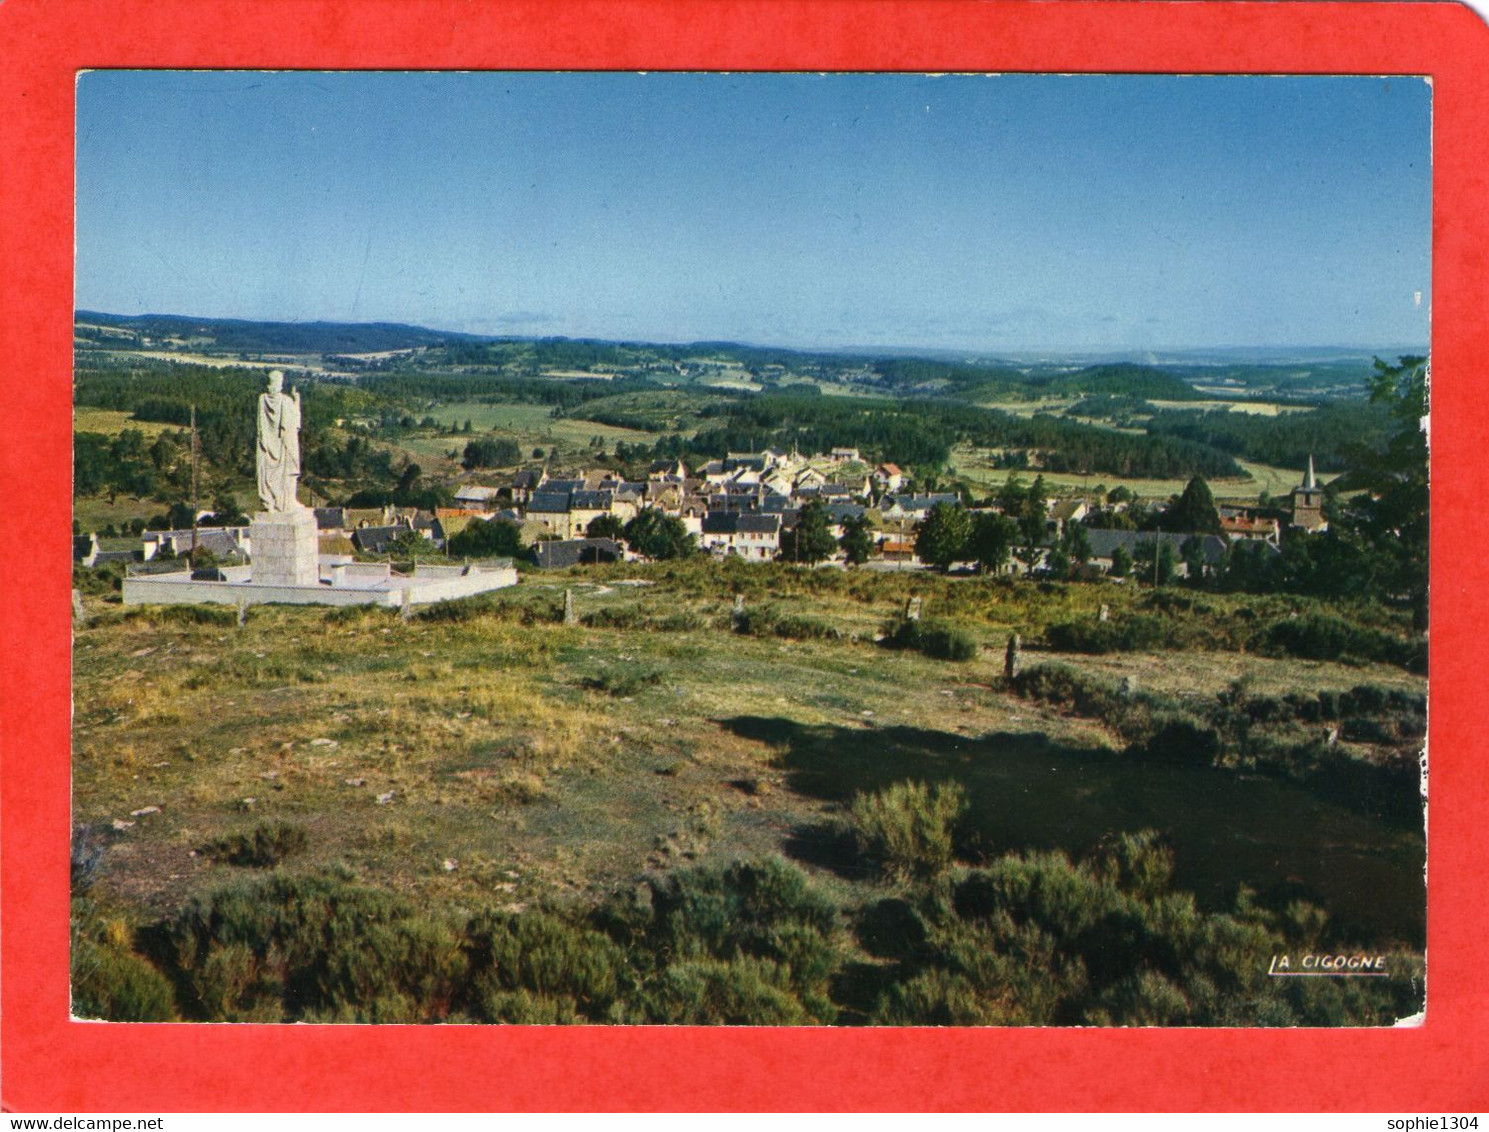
(110, 422)
(532, 425)
(977, 467)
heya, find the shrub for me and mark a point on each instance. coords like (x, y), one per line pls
(908, 828)
(768, 621)
(742, 991)
(760, 910)
(263, 848)
(214, 615)
(116, 984)
(312, 948)
(935, 639)
(627, 682)
(1322, 636)
(529, 966)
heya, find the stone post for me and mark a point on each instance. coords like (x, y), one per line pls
(569, 617)
(1013, 661)
(79, 614)
(912, 609)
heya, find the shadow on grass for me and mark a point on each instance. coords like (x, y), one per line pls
(1028, 792)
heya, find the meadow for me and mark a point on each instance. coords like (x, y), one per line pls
(485, 758)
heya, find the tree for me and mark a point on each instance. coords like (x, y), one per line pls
(486, 538)
(809, 540)
(1070, 553)
(1392, 514)
(1121, 563)
(991, 540)
(1011, 496)
(1146, 569)
(605, 526)
(410, 544)
(1033, 524)
(659, 535)
(1193, 511)
(490, 453)
(1192, 553)
(941, 537)
(857, 542)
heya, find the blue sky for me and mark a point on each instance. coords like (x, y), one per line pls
(978, 212)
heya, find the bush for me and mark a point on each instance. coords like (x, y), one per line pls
(214, 615)
(935, 639)
(1130, 634)
(118, 985)
(762, 912)
(264, 848)
(627, 682)
(908, 828)
(539, 966)
(312, 948)
(767, 621)
(1322, 636)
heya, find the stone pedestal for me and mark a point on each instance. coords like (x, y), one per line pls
(285, 548)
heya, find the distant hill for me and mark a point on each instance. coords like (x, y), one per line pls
(245, 336)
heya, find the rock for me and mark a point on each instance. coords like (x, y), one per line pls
(449, 866)
(120, 825)
(356, 781)
(323, 743)
(384, 799)
(147, 810)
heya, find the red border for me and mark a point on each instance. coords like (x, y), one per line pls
(53, 1064)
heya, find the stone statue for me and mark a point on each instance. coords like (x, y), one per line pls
(279, 445)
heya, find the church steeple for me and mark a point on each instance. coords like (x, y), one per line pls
(1309, 483)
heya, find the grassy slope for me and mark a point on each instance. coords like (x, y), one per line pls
(503, 756)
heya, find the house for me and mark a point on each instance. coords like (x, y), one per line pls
(223, 542)
(915, 506)
(377, 540)
(551, 508)
(1068, 511)
(559, 554)
(888, 477)
(329, 520)
(90, 550)
(746, 534)
(664, 470)
(473, 497)
(524, 483)
(584, 508)
(808, 479)
(1104, 544)
(897, 550)
(844, 456)
(1243, 527)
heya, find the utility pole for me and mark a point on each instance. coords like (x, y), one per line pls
(194, 508)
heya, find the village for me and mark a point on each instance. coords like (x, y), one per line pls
(748, 506)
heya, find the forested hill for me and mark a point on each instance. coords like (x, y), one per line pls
(242, 335)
